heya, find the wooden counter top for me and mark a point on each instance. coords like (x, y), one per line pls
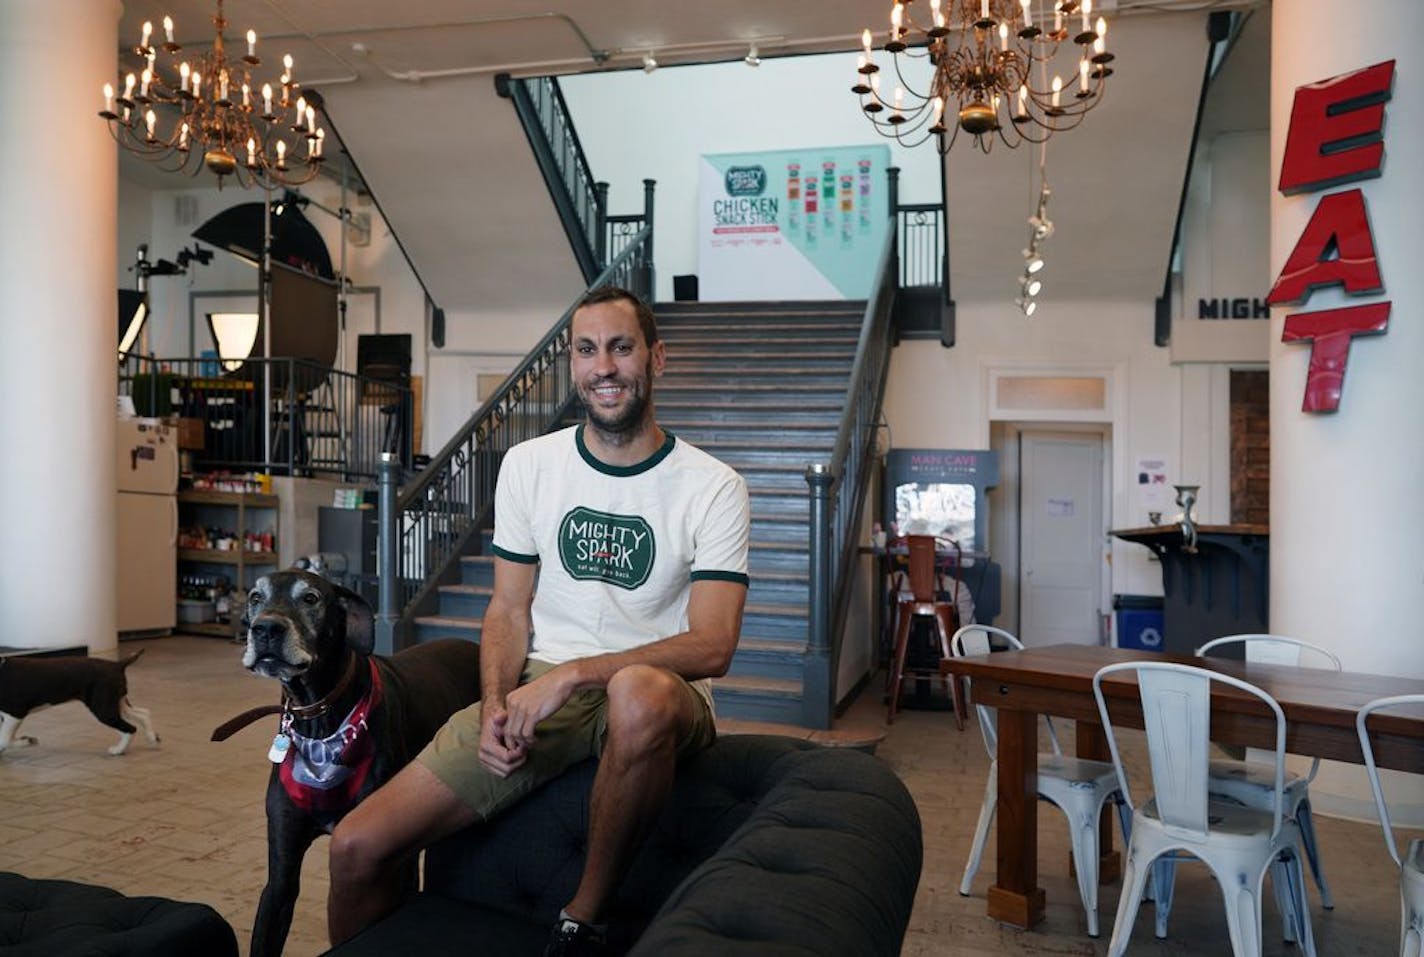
(1147, 531)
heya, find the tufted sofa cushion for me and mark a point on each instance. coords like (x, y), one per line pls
(49, 918)
(767, 845)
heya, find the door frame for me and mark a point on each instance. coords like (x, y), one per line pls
(1001, 427)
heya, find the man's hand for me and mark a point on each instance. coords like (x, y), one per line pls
(495, 754)
(529, 704)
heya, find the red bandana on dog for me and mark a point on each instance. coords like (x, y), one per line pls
(323, 775)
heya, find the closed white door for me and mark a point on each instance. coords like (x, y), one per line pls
(1061, 545)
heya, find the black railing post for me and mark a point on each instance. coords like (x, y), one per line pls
(817, 683)
(892, 194)
(600, 229)
(387, 568)
(648, 274)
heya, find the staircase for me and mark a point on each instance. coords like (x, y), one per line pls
(760, 386)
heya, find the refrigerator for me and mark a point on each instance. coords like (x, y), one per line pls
(146, 478)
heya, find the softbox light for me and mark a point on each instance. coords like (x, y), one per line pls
(133, 310)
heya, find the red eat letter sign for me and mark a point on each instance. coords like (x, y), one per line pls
(1334, 137)
(1334, 134)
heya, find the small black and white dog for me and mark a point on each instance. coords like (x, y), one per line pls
(29, 683)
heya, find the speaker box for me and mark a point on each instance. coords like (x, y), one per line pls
(384, 357)
(684, 288)
(437, 327)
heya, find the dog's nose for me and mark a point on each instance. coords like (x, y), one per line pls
(268, 630)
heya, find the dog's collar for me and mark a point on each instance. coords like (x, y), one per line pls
(289, 711)
(305, 712)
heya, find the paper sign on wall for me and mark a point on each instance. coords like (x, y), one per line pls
(791, 224)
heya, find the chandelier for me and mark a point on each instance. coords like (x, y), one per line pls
(215, 118)
(991, 60)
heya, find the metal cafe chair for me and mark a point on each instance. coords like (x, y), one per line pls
(1076, 786)
(1249, 782)
(1411, 866)
(1238, 843)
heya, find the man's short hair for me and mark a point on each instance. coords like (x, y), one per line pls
(647, 322)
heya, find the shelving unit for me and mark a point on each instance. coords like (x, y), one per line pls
(242, 512)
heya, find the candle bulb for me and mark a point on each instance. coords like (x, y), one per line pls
(266, 99)
(983, 9)
(183, 72)
(287, 64)
(222, 86)
(1058, 17)
(128, 86)
(252, 43)
(301, 110)
(1100, 45)
(1057, 90)
(896, 14)
(1083, 75)
(938, 109)
(281, 155)
(1023, 100)
(147, 32)
(108, 98)
(1087, 9)
(251, 151)
(311, 115)
(320, 139)
(197, 82)
(1004, 37)
(865, 42)
(1027, 12)
(146, 78)
(149, 119)
(183, 137)
(168, 28)
(246, 96)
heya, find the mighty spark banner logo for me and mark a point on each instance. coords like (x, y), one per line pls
(600, 546)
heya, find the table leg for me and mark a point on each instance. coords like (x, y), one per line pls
(1092, 743)
(1015, 898)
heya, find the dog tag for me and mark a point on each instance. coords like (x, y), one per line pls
(278, 753)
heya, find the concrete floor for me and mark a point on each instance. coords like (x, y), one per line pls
(186, 821)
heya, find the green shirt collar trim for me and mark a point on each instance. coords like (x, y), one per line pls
(624, 471)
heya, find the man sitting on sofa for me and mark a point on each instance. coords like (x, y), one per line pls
(639, 542)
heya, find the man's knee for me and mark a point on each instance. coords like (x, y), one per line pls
(646, 706)
(356, 854)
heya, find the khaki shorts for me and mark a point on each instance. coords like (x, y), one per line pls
(568, 736)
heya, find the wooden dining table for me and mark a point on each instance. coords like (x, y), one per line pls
(1319, 706)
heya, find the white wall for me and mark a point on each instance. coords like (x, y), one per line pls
(721, 108)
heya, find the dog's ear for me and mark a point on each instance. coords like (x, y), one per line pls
(360, 621)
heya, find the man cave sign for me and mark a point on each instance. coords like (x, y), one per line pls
(1335, 137)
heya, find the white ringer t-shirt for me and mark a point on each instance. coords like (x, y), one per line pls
(618, 547)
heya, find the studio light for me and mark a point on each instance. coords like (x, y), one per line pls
(234, 334)
(988, 63)
(221, 120)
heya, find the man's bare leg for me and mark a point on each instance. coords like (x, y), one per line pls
(648, 711)
(409, 812)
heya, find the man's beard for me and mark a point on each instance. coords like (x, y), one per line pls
(621, 427)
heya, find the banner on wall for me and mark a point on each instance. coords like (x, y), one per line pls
(791, 224)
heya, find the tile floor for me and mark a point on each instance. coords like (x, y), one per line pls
(186, 820)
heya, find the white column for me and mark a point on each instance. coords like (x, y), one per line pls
(1347, 562)
(58, 186)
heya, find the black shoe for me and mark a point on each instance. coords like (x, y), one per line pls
(571, 938)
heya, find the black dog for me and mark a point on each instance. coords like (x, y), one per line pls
(29, 683)
(350, 719)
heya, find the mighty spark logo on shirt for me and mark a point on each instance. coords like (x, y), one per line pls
(599, 546)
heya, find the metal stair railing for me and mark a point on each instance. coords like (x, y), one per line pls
(425, 528)
(838, 489)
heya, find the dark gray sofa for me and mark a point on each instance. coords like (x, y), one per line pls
(769, 845)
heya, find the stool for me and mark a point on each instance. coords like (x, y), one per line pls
(42, 918)
(923, 602)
